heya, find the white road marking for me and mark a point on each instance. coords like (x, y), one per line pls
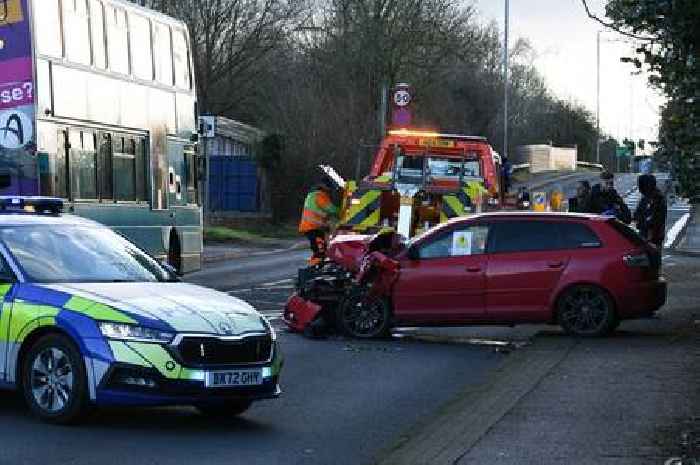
(676, 230)
(278, 283)
(239, 291)
(272, 314)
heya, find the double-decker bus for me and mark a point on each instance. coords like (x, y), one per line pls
(98, 106)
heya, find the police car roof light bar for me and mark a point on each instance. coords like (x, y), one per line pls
(41, 205)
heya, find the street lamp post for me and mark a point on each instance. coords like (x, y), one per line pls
(597, 111)
(505, 83)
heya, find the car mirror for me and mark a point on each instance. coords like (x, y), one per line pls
(171, 270)
(413, 253)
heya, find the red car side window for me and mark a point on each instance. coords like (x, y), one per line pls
(459, 242)
(524, 236)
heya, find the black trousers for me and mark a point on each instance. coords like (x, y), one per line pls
(317, 242)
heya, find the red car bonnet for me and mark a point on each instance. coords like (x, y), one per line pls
(347, 250)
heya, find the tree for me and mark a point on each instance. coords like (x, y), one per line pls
(230, 40)
(669, 47)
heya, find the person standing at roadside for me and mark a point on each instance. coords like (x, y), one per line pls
(606, 201)
(315, 219)
(650, 215)
(582, 201)
(507, 172)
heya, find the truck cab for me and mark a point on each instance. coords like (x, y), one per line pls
(419, 179)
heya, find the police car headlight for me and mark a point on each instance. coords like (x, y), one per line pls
(268, 326)
(126, 332)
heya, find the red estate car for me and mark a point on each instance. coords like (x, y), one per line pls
(584, 272)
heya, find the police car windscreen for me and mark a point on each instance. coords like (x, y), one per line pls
(78, 254)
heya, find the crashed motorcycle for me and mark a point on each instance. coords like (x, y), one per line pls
(349, 292)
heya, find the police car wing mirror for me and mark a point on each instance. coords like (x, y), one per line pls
(172, 271)
(412, 253)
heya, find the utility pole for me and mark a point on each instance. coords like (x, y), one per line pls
(383, 110)
(632, 121)
(597, 111)
(505, 82)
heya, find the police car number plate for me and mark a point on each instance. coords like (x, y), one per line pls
(233, 378)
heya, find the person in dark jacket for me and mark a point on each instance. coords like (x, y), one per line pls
(507, 172)
(582, 202)
(606, 201)
(650, 215)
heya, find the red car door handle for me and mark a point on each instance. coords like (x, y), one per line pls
(556, 264)
(473, 269)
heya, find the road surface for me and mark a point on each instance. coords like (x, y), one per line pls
(344, 402)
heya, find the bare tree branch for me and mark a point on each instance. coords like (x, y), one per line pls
(613, 26)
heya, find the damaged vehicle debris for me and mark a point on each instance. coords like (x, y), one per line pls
(349, 292)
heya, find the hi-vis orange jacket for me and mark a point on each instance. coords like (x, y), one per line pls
(317, 208)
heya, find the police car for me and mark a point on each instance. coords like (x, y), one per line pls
(88, 319)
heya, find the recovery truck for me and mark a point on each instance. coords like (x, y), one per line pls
(418, 179)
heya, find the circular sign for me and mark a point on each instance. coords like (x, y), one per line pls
(402, 98)
(16, 129)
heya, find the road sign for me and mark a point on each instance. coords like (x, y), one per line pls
(402, 97)
(623, 151)
(401, 114)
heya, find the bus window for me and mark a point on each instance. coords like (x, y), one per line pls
(104, 164)
(48, 28)
(181, 59)
(83, 165)
(128, 162)
(97, 31)
(140, 173)
(117, 41)
(140, 40)
(76, 36)
(191, 175)
(123, 164)
(163, 55)
(61, 171)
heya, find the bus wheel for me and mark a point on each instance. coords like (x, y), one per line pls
(175, 252)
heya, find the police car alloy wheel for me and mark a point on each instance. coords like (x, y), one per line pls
(54, 380)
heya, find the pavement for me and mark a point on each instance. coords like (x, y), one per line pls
(690, 243)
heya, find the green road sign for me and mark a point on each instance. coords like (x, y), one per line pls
(622, 151)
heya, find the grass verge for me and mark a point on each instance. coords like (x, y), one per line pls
(255, 233)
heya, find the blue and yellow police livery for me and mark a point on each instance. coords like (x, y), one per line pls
(89, 319)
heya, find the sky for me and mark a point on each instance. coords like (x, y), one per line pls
(564, 39)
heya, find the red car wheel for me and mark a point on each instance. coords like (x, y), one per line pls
(364, 316)
(586, 311)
